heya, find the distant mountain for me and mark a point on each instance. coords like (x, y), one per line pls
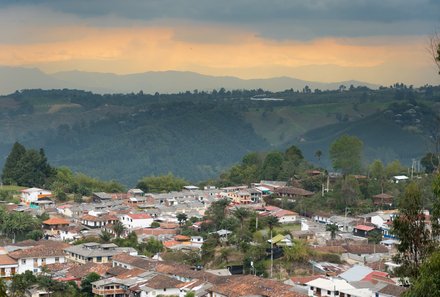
(149, 82)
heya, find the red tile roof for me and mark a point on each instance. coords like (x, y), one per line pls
(56, 221)
(139, 216)
(6, 260)
(364, 228)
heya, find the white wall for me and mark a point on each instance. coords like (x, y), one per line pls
(29, 263)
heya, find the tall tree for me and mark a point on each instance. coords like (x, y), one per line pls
(377, 172)
(11, 170)
(427, 284)
(410, 227)
(118, 228)
(86, 284)
(333, 228)
(241, 214)
(272, 166)
(181, 217)
(346, 154)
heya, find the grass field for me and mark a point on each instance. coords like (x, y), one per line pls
(287, 124)
(11, 188)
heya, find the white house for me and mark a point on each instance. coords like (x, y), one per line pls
(8, 266)
(136, 220)
(33, 194)
(34, 258)
(328, 287)
(286, 216)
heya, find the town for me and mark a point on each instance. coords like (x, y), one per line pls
(208, 241)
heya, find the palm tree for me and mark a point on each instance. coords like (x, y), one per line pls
(241, 214)
(271, 222)
(105, 236)
(118, 228)
(318, 154)
(181, 217)
(333, 228)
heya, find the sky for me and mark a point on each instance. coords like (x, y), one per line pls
(376, 41)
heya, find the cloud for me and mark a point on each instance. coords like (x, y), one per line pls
(296, 19)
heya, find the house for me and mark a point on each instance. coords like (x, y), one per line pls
(95, 252)
(70, 233)
(135, 193)
(271, 185)
(34, 258)
(383, 199)
(136, 220)
(391, 291)
(286, 216)
(8, 266)
(160, 285)
(400, 178)
(328, 287)
(292, 192)
(249, 285)
(53, 225)
(356, 273)
(101, 197)
(97, 221)
(34, 194)
(363, 230)
(240, 197)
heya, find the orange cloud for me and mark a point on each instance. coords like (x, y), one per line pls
(214, 50)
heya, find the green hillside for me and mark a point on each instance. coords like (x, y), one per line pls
(197, 135)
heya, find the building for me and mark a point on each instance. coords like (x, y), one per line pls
(98, 221)
(31, 195)
(95, 252)
(34, 258)
(383, 199)
(8, 266)
(136, 220)
(363, 230)
(292, 192)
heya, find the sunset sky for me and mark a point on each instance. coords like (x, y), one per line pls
(377, 41)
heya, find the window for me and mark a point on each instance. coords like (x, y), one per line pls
(57, 259)
(23, 261)
(329, 292)
(98, 259)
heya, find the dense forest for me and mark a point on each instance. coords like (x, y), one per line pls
(197, 135)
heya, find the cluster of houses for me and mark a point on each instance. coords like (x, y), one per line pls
(125, 273)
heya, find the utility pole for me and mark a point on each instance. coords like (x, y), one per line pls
(345, 219)
(271, 254)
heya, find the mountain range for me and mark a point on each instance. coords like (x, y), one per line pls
(17, 78)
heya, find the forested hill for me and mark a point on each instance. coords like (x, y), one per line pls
(197, 135)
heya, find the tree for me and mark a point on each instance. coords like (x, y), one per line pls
(21, 282)
(333, 228)
(118, 228)
(190, 294)
(410, 227)
(318, 155)
(10, 170)
(431, 162)
(272, 166)
(86, 284)
(159, 184)
(241, 214)
(216, 212)
(181, 217)
(105, 236)
(427, 284)
(346, 154)
(3, 289)
(377, 172)
(271, 222)
(435, 49)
